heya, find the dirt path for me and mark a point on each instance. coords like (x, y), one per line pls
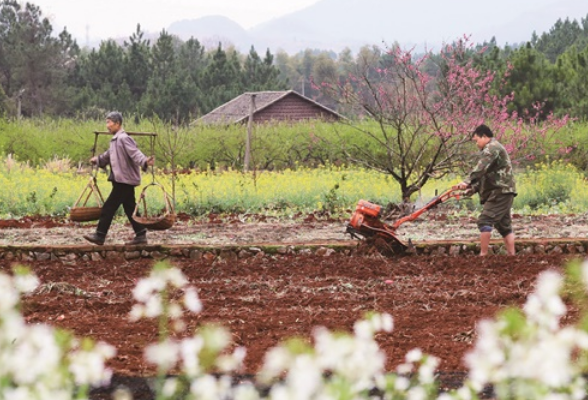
(237, 229)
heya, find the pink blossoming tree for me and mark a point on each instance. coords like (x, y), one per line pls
(424, 111)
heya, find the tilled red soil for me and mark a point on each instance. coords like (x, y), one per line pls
(435, 301)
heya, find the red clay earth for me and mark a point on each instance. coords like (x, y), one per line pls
(435, 301)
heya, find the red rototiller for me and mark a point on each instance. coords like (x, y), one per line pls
(366, 220)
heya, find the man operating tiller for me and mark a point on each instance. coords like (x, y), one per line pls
(493, 180)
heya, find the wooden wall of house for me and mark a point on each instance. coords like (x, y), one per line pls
(293, 108)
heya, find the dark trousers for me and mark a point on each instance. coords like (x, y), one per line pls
(497, 213)
(121, 194)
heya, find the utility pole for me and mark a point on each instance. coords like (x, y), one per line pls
(19, 104)
(303, 83)
(249, 128)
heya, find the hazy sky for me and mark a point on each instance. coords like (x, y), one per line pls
(119, 18)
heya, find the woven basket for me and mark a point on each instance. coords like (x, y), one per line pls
(152, 222)
(81, 212)
(85, 214)
(157, 224)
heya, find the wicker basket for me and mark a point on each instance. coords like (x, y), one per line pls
(85, 214)
(81, 212)
(157, 224)
(151, 222)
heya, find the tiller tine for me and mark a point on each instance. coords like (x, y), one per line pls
(365, 221)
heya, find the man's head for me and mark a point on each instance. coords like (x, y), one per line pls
(482, 135)
(114, 121)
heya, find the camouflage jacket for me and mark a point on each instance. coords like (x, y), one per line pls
(493, 174)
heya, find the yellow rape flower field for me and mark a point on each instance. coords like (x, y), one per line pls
(53, 190)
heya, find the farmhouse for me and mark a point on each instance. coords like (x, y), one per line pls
(269, 106)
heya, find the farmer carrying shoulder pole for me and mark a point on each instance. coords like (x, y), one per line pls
(125, 160)
(493, 180)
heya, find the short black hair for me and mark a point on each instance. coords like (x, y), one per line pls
(483, 130)
(115, 117)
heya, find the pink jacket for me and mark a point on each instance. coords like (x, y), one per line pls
(125, 159)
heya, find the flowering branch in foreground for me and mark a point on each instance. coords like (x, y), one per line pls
(39, 361)
(522, 354)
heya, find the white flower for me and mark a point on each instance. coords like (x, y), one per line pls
(232, 362)
(179, 325)
(88, 367)
(35, 354)
(358, 358)
(427, 370)
(137, 312)
(153, 294)
(276, 360)
(153, 306)
(175, 277)
(280, 392)
(382, 322)
(375, 323)
(417, 393)
(18, 393)
(414, 355)
(164, 355)
(401, 384)
(170, 386)
(544, 306)
(122, 393)
(209, 388)
(26, 283)
(146, 287)
(387, 322)
(9, 296)
(13, 326)
(204, 387)
(487, 355)
(305, 378)
(191, 300)
(548, 283)
(363, 329)
(246, 391)
(174, 311)
(404, 368)
(464, 393)
(217, 338)
(189, 350)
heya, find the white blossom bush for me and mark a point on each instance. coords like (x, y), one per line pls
(339, 366)
(521, 354)
(192, 359)
(527, 354)
(39, 361)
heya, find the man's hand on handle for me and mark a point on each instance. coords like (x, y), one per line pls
(461, 186)
(469, 190)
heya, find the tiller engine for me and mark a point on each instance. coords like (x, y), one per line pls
(366, 221)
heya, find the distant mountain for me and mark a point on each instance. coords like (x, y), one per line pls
(336, 24)
(211, 30)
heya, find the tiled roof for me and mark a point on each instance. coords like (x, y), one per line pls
(237, 110)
